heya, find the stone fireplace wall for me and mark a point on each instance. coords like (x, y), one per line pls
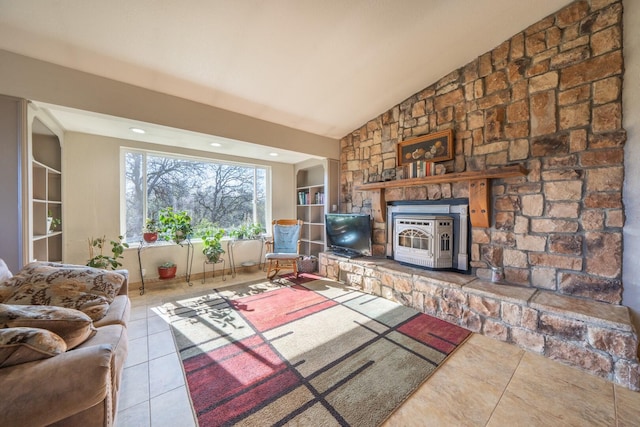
(550, 99)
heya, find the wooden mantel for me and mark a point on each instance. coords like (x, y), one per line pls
(479, 190)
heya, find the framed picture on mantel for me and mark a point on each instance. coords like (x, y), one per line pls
(435, 147)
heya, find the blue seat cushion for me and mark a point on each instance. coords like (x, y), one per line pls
(281, 256)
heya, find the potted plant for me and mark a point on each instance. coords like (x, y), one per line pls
(98, 259)
(238, 232)
(52, 222)
(247, 231)
(211, 245)
(167, 270)
(255, 230)
(175, 225)
(150, 231)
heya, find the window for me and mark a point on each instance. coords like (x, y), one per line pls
(212, 192)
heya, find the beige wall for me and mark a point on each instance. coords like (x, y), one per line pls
(36, 80)
(91, 208)
(11, 192)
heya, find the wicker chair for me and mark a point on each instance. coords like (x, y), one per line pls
(284, 250)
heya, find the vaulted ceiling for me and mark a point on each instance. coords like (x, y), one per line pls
(322, 66)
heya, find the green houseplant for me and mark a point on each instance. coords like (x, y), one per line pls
(98, 259)
(175, 225)
(150, 231)
(247, 231)
(167, 270)
(211, 244)
(255, 230)
(52, 222)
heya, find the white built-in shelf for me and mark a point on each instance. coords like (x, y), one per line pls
(45, 189)
(319, 184)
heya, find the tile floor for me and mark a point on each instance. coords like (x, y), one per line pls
(485, 383)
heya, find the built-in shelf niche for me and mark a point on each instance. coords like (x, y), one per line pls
(316, 194)
(45, 157)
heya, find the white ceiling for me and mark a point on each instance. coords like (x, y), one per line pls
(117, 127)
(322, 66)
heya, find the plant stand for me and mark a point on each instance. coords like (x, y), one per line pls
(189, 261)
(141, 246)
(144, 245)
(213, 269)
(232, 259)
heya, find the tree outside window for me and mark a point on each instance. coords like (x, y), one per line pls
(214, 193)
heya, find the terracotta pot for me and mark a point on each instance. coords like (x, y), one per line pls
(150, 237)
(167, 272)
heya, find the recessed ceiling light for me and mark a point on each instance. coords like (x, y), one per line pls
(215, 144)
(137, 130)
(273, 154)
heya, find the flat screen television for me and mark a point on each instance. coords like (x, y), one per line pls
(349, 235)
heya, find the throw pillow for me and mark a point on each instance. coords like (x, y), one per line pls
(22, 345)
(87, 289)
(60, 295)
(88, 279)
(5, 274)
(73, 326)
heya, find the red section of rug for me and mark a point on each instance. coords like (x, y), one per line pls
(272, 309)
(220, 374)
(436, 333)
(236, 379)
(250, 400)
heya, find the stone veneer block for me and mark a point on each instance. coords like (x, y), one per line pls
(613, 316)
(443, 278)
(513, 294)
(369, 262)
(396, 270)
(368, 266)
(439, 278)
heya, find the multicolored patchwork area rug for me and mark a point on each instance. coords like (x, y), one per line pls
(306, 351)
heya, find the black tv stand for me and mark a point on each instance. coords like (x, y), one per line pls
(345, 253)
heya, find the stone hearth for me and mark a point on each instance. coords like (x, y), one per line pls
(594, 336)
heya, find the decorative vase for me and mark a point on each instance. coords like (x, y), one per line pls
(167, 272)
(49, 223)
(150, 237)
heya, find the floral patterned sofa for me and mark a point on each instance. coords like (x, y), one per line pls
(63, 344)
